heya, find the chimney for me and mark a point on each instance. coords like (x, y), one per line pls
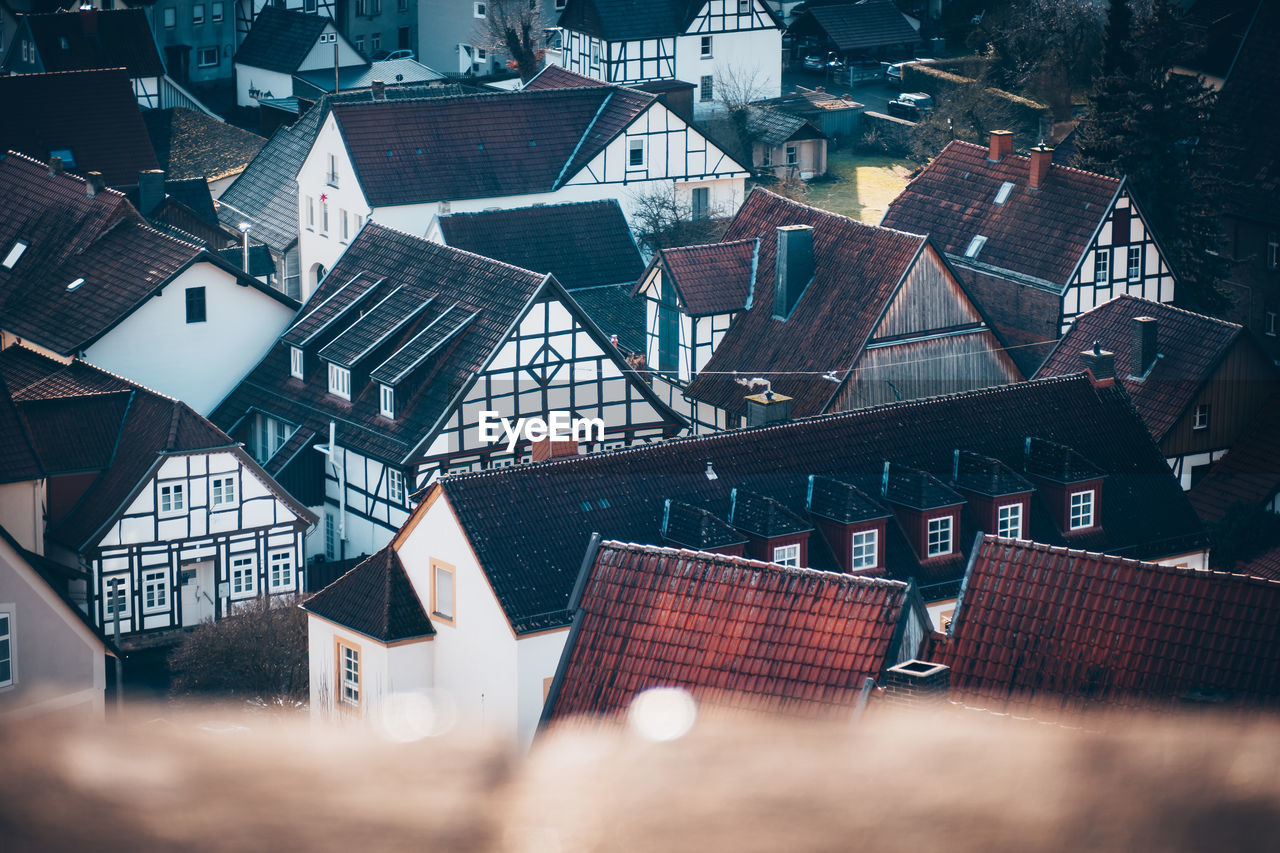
(379, 90)
(244, 230)
(768, 408)
(1041, 162)
(1144, 346)
(1001, 144)
(793, 267)
(546, 448)
(1099, 362)
(917, 683)
(93, 184)
(55, 166)
(150, 191)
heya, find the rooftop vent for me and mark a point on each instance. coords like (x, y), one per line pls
(975, 246)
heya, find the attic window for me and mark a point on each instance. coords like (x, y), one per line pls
(387, 401)
(10, 259)
(1003, 194)
(296, 363)
(340, 381)
(975, 246)
(939, 536)
(1081, 510)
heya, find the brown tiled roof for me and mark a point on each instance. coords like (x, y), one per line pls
(739, 632)
(559, 77)
(1265, 565)
(1191, 346)
(190, 144)
(99, 38)
(622, 495)
(711, 279)
(857, 269)
(92, 113)
(1045, 625)
(1249, 473)
(18, 459)
(376, 599)
(1042, 233)
(481, 146)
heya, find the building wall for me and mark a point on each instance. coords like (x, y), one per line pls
(254, 83)
(748, 62)
(443, 25)
(58, 665)
(318, 244)
(810, 158)
(198, 363)
(22, 508)
(366, 517)
(538, 658)
(1253, 280)
(381, 30)
(386, 671)
(185, 37)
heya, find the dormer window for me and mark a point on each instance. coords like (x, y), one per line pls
(975, 246)
(15, 253)
(1081, 509)
(864, 550)
(387, 401)
(787, 555)
(1002, 195)
(939, 542)
(296, 363)
(340, 382)
(1009, 521)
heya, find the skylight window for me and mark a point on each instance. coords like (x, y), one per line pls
(975, 246)
(10, 259)
(1003, 194)
(73, 285)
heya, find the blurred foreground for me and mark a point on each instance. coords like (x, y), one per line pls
(956, 780)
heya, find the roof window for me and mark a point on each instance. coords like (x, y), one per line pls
(19, 246)
(73, 285)
(1003, 194)
(975, 246)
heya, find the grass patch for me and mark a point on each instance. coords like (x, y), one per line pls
(860, 185)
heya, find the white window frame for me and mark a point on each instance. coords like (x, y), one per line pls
(395, 486)
(15, 254)
(311, 213)
(297, 363)
(126, 590)
(155, 590)
(216, 12)
(169, 15)
(203, 53)
(975, 246)
(348, 673)
(793, 155)
(1002, 195)
(171, 499)
(706, 88)
(1269, 324)
(238, 565)
(1201, 416)
(1009, 521)
(449, 614)
(1273, 250)
(280, 570)
(787, 555)
(939, 540)
(197, 14)
(330, 536)
(375, 40)
(480, 9)
(1135, 263)
(864, 549)
(1080, 510)
(635, 145)
(331, 177)
(766, 159)
(342, 217)
(1102, 266)
(222, 490)
(340, 381)
(744, 7)
(387, 401)
(324, 217)
(595, 54)
(7, 636)
(705, 48)
(481, 54)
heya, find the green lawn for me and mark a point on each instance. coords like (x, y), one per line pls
(864, 185)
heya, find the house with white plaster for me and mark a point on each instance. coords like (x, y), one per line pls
(499, 151)
(283, 43)
(726, 48)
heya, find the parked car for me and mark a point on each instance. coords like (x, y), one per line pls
(905, 109)
(815, 62)
(395, 54)
(893, 70)
(922, 100)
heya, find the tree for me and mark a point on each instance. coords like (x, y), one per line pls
(261, 652)
(515, 28)
(660, 219)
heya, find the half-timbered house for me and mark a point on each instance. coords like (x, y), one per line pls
(833, 313)
(1197, 381)
(493, 557)
(501, 150)
(161, 520)
(283, 43)
(397, 360)
(715, 45)
(1035, 243)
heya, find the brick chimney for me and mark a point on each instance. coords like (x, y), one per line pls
(379, 90)
(1041, 163)
(545, 448)
(917, 683)
(1001, 144)
(93, 184)
(1143, 355)
(793, 267)
(768, 408)
(150, 191)
(55, 166)
(1100, 363)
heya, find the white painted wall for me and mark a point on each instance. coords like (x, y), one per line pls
(321, 56)
(316, 244)
(752, 59)
(22, 512)
(253, 83)
(198, 363)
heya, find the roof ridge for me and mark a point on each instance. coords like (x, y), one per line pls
(1167, 306)
(830, 215)
(1056, 165)
(530, 207)
(373, 225)
(45, 165)
(702, 246)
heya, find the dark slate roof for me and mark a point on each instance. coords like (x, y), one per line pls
(763, 516)
(265, 194)
(1042, 233)
(736, 632)
(87, 420)
(1249, 473)
(260, 262)
(694, 527)
(854, 265)
(18, 459)
(774, 126)
(864, 25)
(839, 501)
(1265, 565)
(916, 489)
(629, 20)
(190, 144)
(987, 476)
(532, 566)
(376, 599)
(1191, 346)
(613, 308)
(1052, 627)
(93, 113)
(1058, 462)
(581, 244)
(98, 38)
(280, 39)
(710, 279)
(394, 72)
(481, 146)
(559, 77)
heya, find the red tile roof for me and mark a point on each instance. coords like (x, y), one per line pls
(739, 632)
(1249, 473)
(713, 279)
(1049, 626)
(1041, 233)
(559, 77)
(1265, 565)
(1191, 346)
(481, 146)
